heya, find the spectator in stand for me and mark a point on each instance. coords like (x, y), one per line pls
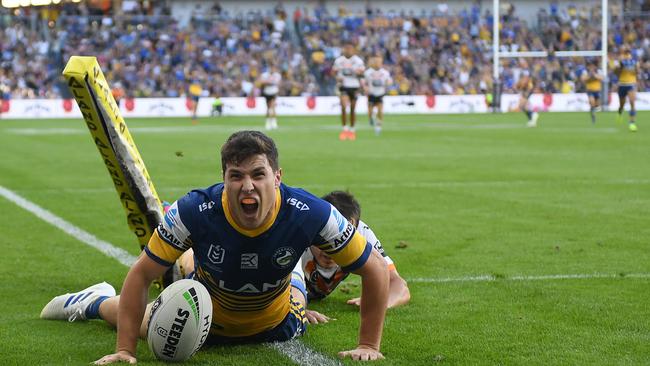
(441, 51)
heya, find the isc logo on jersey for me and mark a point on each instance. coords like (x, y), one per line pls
(297, 204)
(337, 230)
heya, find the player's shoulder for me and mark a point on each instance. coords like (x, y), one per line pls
(195, 203)
(366, 232)
(362, 226)
(185, 217)
(303, 201)
(356, 58)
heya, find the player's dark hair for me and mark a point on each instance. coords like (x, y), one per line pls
(244, 144)
(345, 203)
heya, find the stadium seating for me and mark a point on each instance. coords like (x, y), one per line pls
(150, 53)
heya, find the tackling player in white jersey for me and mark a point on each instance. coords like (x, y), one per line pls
(349, 69)
(270, 83)
(375, 81)
(323, 275)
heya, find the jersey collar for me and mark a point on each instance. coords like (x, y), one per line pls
(265, 225)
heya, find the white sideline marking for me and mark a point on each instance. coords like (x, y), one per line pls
(105, 247)
(491, 278)
(294, 350)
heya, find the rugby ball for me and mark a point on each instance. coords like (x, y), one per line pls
(179, 321)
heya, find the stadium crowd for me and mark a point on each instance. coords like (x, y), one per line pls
(147, 53)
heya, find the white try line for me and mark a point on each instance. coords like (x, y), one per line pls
(78, 233)
(294, 350)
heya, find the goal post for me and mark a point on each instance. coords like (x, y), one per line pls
(497, 55)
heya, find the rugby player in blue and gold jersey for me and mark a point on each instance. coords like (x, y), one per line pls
(627, 69)
(248, 234)
(322, 275)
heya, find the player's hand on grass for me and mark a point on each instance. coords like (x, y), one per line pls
(362, 353)
(121, 356)
(356, 301)
(314, 317)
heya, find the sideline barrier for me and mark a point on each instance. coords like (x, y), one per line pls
(316, 106)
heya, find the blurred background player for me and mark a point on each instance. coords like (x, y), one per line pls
(118, 93)
(627, 69)
(217, 107)
(323, 275)
(194, 92)
(375, 80)
(526, 86)
(593, 79)
(270, 84)
(348, 68)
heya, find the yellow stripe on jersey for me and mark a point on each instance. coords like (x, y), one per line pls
(249, 303)
(350, 253)
(196, 90)
(298, 310)
(161, 249)
(240, 316)
(254, 232)
(627, 75)
(593, 85)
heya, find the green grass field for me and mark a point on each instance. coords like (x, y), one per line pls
(470, 195)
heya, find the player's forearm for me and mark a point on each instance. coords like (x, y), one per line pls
(133, 301)
(398, 293)
(374, 299)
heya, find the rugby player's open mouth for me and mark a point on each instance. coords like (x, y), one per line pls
(249, 206)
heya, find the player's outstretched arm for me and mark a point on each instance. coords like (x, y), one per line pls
(374, 295)
(133, 301)
(398, 292)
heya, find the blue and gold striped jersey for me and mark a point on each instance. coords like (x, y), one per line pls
(627, 71)
(247, 272)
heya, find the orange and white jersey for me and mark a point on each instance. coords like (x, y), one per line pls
(348, 70)
(322, 281)
(377, 81)
(271, 82)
